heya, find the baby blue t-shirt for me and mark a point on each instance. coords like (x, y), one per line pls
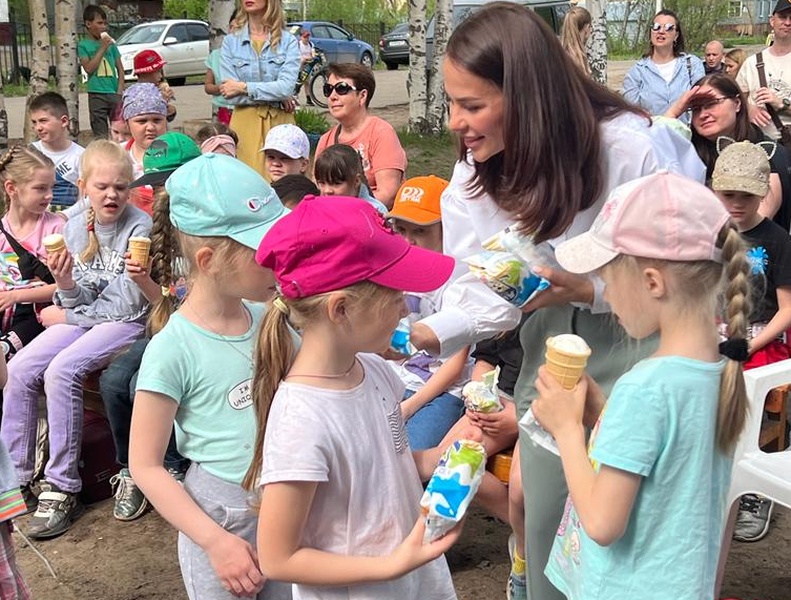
(660, 423)
(210, 377)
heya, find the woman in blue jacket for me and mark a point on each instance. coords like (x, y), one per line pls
(665, 72)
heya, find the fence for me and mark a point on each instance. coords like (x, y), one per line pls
(367, 32)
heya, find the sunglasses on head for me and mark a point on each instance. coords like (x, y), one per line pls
(341, 88)
(659, 27)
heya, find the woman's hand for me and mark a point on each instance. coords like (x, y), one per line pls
(290, 104)
(564, 288)
(231, 88)
(52, 315)
(7, 299)
(236, 564)
(60, 265)
(556, 408)
(680, 106)
(502, 423)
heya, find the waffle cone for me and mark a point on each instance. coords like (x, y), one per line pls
(139, 248)
(54, 243)
(566, 367)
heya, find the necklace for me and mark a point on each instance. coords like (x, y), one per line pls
(224, 338)
(338, 376)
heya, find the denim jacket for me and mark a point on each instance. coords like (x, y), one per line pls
(644, 84)
(270, 76)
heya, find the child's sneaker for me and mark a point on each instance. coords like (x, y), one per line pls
(177, 474)
(30, 498)
(517, 579)
(130, 502)
(752, 523)
(57, 510)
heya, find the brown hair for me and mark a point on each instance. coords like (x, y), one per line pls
(209, 131)
(273, 19)
(339, 164)
(552, 165)
(571, 36)
(362, 76)
(164, 252)
(275, 351)
(52, 102)
(678, 46)
(100, 152)
(18, 166)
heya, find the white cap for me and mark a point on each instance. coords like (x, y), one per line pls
(288, 139)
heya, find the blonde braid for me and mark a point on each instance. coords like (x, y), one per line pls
(732, 409)
(164, 250)
(93, 242)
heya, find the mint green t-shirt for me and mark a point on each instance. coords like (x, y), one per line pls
(210, 377)
(660, 423)
(104, 80)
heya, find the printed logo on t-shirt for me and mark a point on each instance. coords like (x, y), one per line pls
(241, 396)
(397, 429)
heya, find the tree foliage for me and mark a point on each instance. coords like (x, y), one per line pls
(190, 9)
(698, 19)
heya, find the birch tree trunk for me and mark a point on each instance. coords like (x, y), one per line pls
(66, 60)
(416, 79)
(39, 71)
(220, 12)
(3, 119)
(436, 112)
(597, 43)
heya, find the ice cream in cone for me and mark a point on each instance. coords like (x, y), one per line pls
(54, 243)
(566, 358)
(138, 248)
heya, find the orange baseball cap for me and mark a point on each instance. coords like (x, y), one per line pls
(417, 200)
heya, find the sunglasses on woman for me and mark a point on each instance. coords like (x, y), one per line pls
(341, 88)
(668, 27)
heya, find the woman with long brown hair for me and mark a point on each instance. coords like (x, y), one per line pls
(541, 147)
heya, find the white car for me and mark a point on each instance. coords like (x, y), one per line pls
(183, 43)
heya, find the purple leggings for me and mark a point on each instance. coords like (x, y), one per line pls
(57, 360)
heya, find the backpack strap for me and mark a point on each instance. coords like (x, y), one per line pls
(759, 65)
(689, 70)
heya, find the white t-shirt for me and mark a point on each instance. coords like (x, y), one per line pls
(67, 172)
(667, 70)
(778, 78)
(353, 443)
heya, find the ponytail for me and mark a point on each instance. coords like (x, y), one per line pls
(164, 251)
(93, 242)
(732, 409)
(274, 356)
(18, 166)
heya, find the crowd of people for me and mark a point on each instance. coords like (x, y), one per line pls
(255, 391)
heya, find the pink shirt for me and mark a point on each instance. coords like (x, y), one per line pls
(378, 147)
(48, 223)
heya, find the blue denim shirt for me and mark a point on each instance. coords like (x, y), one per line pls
(644, 85)
(270, 76)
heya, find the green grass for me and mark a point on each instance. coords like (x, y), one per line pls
(429, 155)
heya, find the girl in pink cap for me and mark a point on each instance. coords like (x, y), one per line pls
(339, 486)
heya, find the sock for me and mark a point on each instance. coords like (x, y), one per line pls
(518, 566)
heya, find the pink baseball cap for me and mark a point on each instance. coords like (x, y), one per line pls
(331, 242)
(664, 216)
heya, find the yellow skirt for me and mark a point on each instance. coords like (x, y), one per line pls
(251, 124)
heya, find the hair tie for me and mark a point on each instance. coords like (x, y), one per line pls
(281, 306)
(165, 291)
(735, 349)
(91, 226)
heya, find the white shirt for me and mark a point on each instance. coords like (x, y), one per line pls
(778, 78)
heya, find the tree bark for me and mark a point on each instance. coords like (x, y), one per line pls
(416, 79)
(66, 60)
(39, 71)
(220, 12)
(3, 119)
(436, 112)
(597, 44)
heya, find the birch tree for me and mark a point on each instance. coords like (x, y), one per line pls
(416, 79)
(66, 60)
(3, 119)
(597, 43)
(220, 12)
(39, 71)
(436, 112)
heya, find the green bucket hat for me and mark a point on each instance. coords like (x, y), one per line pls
(166, 154)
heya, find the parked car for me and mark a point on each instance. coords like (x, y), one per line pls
(183, 43)
(394, 47)
(338, 45)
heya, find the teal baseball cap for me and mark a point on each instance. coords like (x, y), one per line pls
(219, 196)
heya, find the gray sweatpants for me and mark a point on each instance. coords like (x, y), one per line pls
(542, 472)
(229, 505)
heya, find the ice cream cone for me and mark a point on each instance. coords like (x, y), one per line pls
(54, 243)
(566, 358)
(138, 248)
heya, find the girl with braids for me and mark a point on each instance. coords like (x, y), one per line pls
(650, 488)
(27, 176)
(163, 282)
(259, 64)
(574, 36)
(98, 311)
(197, 373)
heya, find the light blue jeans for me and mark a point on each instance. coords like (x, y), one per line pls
(428, 426)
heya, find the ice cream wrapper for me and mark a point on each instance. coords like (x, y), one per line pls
(483, 396)
(400, 338)
(452, 487)
(521, 246)
(506, 275)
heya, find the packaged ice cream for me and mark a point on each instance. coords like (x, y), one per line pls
(452, 487)
(400, 339)
(521, 246)
(483, 396)
(507, 276)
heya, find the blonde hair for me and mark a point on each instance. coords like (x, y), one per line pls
(164, 251)
(18, 166)
(738, 56)
(571, 36)
(275, 351)
(700, 287)
(100, 152)
(273, 19)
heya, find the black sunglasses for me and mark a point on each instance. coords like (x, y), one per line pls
(341, 88)
(667, 27)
